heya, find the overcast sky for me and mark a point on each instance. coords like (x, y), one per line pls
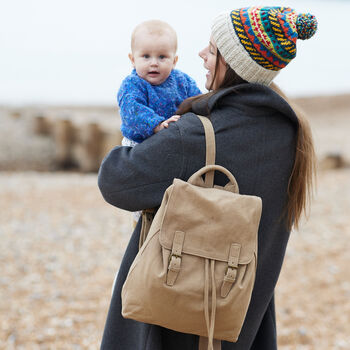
(75, 51)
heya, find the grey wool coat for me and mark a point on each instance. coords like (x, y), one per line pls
(255, 131)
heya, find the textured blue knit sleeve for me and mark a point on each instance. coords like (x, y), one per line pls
(192, 88)
(138, 120)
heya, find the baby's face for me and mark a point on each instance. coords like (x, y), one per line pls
(153, 57)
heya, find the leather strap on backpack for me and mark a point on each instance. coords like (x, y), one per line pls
(210, 149)
(148, 214)
(203, 344)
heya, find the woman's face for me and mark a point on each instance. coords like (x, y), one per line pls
(209, 55)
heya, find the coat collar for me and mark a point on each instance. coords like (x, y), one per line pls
(248, 96)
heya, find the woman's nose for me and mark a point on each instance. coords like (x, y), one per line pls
(201, 54)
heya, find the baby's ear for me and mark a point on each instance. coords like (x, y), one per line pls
(131, 58)
(176, 58)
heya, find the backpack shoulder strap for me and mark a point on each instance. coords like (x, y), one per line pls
(210, 148)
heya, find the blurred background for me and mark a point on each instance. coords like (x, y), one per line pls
(61, 64)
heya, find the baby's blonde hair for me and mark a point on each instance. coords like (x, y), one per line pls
(154, 27)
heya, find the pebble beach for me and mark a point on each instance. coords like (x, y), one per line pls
(61, 246)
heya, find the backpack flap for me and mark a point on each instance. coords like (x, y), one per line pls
(211, 219)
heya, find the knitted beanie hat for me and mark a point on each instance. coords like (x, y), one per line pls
(257, 42)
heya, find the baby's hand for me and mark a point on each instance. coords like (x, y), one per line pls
(166, 123)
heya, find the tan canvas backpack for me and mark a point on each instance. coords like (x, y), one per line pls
(195, 271)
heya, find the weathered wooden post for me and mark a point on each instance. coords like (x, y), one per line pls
(111, 139)
(41, 125)
(90, 147)
(333, 161)
(64, 135)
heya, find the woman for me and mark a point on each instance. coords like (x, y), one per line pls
(259, 138)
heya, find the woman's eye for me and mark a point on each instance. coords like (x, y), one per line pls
(211, 50)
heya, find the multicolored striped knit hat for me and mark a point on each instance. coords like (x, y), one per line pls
(257, 42)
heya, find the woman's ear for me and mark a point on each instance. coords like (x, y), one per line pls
(131, 58)
(223, 61)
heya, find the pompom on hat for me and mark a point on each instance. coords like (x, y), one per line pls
(257, 42)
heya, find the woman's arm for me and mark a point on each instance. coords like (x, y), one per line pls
(136, 178)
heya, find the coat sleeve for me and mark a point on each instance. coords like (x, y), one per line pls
(136, 178)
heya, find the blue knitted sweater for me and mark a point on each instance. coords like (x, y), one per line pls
(143, 105)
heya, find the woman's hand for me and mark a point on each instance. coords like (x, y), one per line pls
(166, 123)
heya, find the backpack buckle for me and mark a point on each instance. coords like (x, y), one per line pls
(231, 270)
(175, 258)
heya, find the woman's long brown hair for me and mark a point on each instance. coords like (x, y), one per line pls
(303, 176)
(302, 180)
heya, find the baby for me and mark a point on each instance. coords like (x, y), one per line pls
(149, 97)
